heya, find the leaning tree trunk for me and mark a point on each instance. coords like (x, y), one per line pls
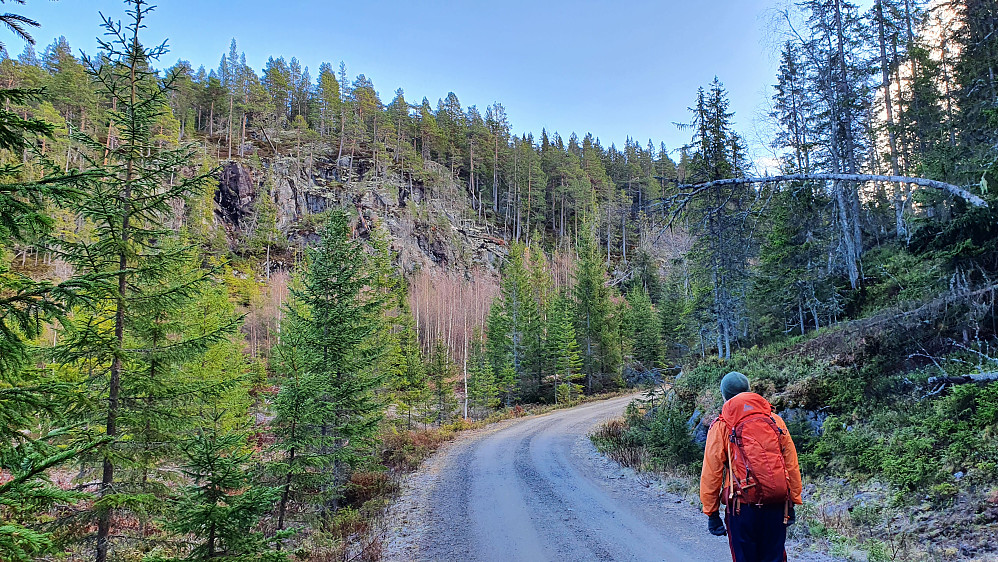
(954, 190)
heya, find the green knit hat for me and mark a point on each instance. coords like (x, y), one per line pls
(733, 384)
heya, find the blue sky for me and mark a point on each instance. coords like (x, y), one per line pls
(615, 69)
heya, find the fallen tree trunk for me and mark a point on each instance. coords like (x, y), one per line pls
(947, 187)
(980, 377)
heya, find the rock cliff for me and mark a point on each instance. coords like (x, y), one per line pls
(429, 223)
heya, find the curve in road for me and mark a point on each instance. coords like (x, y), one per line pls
(536, 489)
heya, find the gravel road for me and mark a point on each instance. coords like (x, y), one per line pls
(536, 489)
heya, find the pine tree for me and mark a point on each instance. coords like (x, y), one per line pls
(328, 98)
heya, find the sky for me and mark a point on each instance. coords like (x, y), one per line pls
(616, 69)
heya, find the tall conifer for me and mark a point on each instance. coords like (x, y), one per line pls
(328, 410)
(126, 336)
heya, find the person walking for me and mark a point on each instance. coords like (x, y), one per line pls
(750, 463)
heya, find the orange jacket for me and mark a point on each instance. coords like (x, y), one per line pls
(715, 461)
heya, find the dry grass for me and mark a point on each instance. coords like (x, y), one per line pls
(610, 438)
(404, 451)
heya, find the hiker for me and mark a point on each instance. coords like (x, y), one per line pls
(751, 463)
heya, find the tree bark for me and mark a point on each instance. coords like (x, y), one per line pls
(981, 377)
(899, 200)
(114, 386)
(229, 132)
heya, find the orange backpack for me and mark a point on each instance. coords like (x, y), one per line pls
(757, 472)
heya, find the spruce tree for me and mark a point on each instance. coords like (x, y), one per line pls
(328, 411)
(535, 361)
(407, 371)
(719, 219)
(440, 372)
(483, 393)
(222, 506)
(126, 334)
(644, 329)
(595, 324)
(401, 360)
(35, 434)
(563, 349)
(499, 352)
(515, 329)
(296, 465)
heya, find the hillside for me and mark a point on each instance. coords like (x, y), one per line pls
(237, 304)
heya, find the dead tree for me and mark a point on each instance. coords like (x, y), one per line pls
(689, 191)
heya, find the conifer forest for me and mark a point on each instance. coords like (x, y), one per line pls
(239, 305)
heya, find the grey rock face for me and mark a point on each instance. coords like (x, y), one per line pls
(236, 192)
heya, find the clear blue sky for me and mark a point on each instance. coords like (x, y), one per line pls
(613, 68)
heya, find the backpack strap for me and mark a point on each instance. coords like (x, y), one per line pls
(732, 501)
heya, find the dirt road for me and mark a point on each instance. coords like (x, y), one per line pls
(536, 489)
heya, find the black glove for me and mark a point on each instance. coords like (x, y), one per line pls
(791, 516)
(715, 525)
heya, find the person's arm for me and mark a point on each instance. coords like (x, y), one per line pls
(712, 473)
(790, 459)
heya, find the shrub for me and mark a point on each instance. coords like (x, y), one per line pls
(844, 449)
(613, 439)
(911, 463)
(669, 441)
(405, 450)
(365, 486)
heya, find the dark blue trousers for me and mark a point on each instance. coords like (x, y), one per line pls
(756, 533)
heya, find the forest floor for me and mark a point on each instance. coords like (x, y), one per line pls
(535, 488)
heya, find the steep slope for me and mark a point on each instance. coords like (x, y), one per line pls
(429, 224)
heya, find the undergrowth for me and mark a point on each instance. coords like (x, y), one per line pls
(894, 468)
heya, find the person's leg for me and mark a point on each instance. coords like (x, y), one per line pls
(770, 534)
(741, 533)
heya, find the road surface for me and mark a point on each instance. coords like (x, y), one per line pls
(536, 489)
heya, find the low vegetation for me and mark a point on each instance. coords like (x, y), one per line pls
(235, 307)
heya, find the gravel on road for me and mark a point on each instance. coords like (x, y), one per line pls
(537, 489)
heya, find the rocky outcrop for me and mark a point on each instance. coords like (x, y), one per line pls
(424, 222)
(235, 195)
